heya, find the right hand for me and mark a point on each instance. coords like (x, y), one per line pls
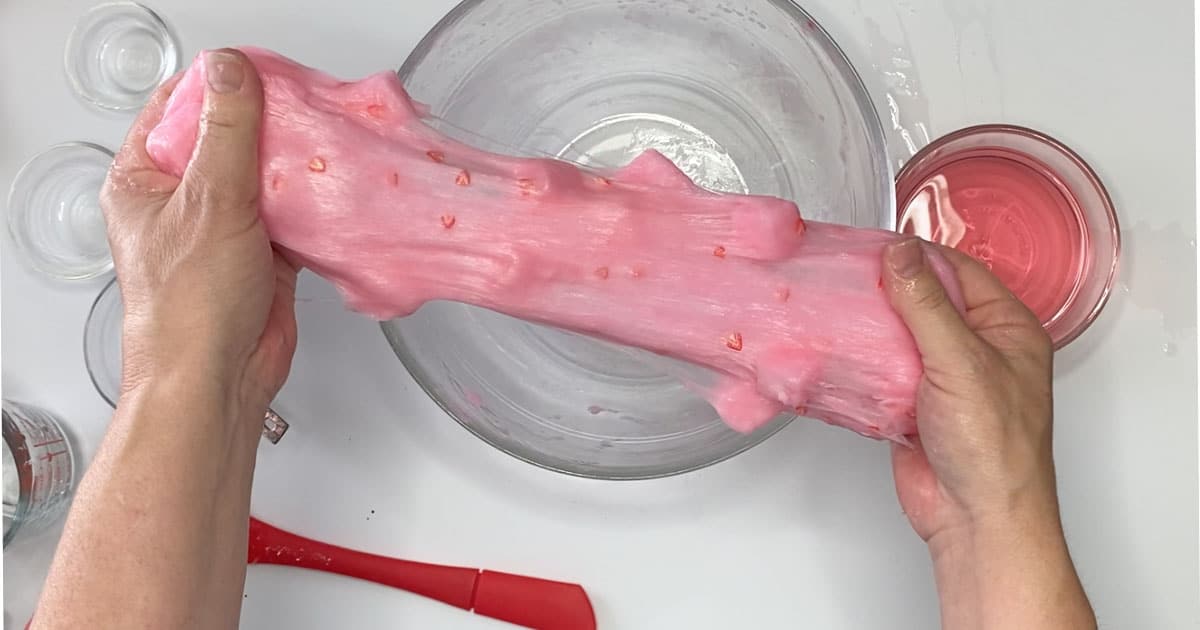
(205, 293)
(984, 406)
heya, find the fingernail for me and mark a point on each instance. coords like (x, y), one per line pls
(907, 258)
(224, 71)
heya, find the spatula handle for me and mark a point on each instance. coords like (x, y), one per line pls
(525, 601)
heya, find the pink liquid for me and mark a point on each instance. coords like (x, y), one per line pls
(1005, 210)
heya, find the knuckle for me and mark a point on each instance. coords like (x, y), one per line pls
(1042, 345)
(215, 121)
(1016, 311)
(205, 192)
(197, 193)
(976, 363)
(204, 186)
(930, 296)
(221, 127)
(1022, 331)
(1038, 348)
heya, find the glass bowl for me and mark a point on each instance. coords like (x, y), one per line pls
(54, 217)
(118, 53)
(750, 96)
(102, 342)
(1029, 208)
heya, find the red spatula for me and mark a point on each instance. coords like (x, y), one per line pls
(525, 601)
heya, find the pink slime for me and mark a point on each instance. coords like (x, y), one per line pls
(792, 316)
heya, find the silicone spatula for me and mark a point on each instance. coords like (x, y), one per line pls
(524, 601)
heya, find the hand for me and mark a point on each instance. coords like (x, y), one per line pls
(984, 405)
(978, 486)
(204, 291)
(157, 532)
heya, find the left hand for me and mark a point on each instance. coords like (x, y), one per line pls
(204, 291)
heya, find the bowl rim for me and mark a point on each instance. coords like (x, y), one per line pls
(400, 349)
(90, 331)
(873, 127)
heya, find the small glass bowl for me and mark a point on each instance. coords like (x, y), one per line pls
(118, 54)
(744, 96)
(102, 342)
(54, 216)
(1067, 285)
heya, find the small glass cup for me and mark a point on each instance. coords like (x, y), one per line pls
(102, 354)
(39, 469)
(118, 54)
(54, 216)
(1029, 208)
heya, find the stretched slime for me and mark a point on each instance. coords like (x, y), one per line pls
(788, 315)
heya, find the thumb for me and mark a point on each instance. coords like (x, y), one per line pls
(225, 163)
(922, 302)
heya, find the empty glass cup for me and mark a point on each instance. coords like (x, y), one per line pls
(54, 217)
(118, 53)
(39, 469)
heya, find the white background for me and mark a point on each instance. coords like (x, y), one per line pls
(803, 531)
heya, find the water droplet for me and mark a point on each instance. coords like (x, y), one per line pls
(1169, 349)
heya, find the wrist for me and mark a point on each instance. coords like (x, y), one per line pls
(997, 544)
(1024, 516)
(1009, 570)
(198, 386)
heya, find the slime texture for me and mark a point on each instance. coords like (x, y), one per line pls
(789, 316)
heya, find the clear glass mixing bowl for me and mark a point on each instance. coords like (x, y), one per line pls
(750, 96)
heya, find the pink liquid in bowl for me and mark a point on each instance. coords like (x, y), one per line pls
(1028, 209)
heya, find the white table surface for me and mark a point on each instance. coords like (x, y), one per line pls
(803, 531)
